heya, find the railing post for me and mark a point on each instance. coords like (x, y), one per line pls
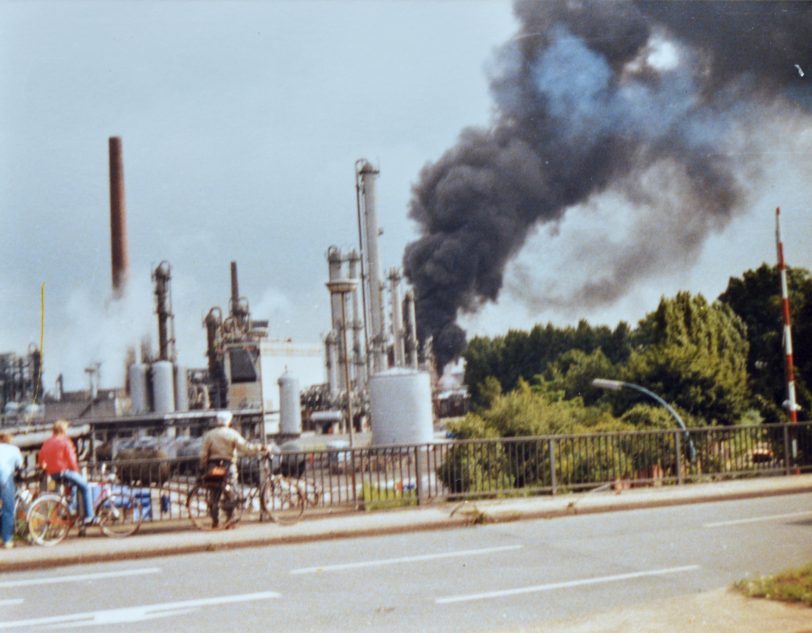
(420, 467)
(787, 452)
(678, 456)
(553, 482)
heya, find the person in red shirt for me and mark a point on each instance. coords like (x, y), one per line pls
(58, 458)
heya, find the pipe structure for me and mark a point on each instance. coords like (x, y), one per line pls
(359, 360)
(335, 263)
(397, 318)
(238, 308)
(411, 343)
(235, 287)
(791, 403)
(118, 218)
(162, 275)
(344, 287)
(214, 340)
(361, 241)
(331, 345)
(334, 273)
(617, 385)
(367, 175)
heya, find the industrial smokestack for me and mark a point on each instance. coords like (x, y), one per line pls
(162, 276)
(118, 218)
(359, 358)
(649, 103)
(411, 343)
(368, 218)
(238, 307)
(235, 288)
(397, 318)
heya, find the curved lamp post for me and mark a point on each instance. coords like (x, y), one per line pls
(617, 385)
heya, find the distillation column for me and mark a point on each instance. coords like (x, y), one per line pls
(397, 319)
(366, 176)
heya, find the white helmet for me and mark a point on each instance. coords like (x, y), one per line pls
(224, 418)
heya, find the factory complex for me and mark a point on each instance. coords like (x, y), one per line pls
(370, 374)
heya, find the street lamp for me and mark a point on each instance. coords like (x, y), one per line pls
(343, 287)
(617, 385)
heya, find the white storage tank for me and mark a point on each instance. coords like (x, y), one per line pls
(181, 389)
(400, 407)
(139, 395)
(290, 408)
(163, 387)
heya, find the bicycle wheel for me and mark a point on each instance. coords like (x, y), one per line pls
(49, 520)
(21, 507)
(213, 507)
(119, 514)
(282, 500)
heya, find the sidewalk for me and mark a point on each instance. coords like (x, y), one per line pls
(169, 539)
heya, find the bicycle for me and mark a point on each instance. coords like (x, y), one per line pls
(51, 516)
(22, 502)
(214, 503)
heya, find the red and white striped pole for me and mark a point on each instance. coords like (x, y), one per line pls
(791, 404)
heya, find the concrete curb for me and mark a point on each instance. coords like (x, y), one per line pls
(358, 525)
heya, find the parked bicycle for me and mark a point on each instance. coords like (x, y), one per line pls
(23, 497)
(215, 503)
(51, 515)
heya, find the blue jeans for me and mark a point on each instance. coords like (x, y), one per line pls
(78, 482)
(7, 490)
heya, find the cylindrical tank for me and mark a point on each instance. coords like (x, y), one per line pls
(400, 407)
(163, 387)
(290, 408)
(181, 389)
(139, 395)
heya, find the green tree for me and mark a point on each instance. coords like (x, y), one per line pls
(694, 355)
(572, 373)
(756, 298)
(475, 467)
(521, 355)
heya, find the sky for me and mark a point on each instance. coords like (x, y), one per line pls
(241, 123)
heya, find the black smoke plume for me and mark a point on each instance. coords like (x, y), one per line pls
(584, 106)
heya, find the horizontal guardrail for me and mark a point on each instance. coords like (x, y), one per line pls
(380, 477)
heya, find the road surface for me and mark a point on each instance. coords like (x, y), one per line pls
(486, 578)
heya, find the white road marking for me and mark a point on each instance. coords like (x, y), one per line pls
(564, 585)
(772, 517)
(405, 559)
(135, 614)
(51, 580)
(11, 601)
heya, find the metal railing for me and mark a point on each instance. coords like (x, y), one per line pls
(463, 469)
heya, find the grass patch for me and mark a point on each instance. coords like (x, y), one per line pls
(793, 585)
(381, 498)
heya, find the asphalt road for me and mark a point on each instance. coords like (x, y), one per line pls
(487, 578)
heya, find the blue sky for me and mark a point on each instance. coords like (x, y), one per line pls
(241, 123)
